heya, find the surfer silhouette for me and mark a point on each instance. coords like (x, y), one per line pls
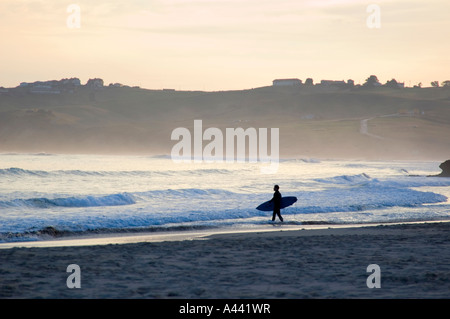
(276, 203)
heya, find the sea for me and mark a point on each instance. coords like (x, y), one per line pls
(44, 196)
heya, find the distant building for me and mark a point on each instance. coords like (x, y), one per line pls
(44, 89)
(71, 81)
(286, 82)
(95, 83)
(52, 86)
(330, 82)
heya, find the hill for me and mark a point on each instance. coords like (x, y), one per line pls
(364, 123)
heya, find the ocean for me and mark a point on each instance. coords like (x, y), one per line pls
(51, 195)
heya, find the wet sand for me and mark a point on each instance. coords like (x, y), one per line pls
(414, 261)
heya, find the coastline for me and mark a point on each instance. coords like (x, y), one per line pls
(154, 237)
(313, 263)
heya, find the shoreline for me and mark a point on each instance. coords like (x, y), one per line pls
(316, 263)
(155, 237)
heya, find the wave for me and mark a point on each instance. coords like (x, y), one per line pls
(27, 154)
(75, 201)
(403, 181)
(185, 192)
(15, 172)
(360, 199)
(362, 178)
(120, 199)
(414, 181)
(370, 194)
(300, 160)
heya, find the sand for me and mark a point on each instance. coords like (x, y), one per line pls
(414, 261)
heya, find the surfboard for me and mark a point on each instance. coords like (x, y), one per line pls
(285, 202)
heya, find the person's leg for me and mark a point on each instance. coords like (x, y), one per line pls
(279, 216)
(276, 212)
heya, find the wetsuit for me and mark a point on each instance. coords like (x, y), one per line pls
(276, 205)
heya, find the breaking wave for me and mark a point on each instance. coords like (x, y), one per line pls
(15, 172)
(75, 201)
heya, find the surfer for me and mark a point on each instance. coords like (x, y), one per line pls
(276, 203)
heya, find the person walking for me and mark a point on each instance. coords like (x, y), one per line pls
(276, 203)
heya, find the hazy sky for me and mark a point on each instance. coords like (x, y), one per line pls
(224, 44)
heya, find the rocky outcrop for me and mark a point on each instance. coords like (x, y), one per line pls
(445, 166)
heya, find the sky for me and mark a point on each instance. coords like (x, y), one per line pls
(225, 44)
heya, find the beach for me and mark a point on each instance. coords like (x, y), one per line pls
(413, 259)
